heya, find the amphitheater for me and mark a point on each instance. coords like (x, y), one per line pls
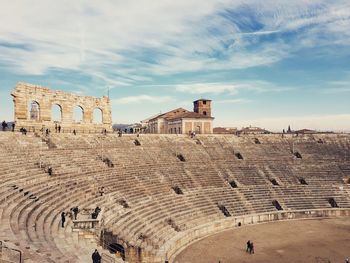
(161, 192)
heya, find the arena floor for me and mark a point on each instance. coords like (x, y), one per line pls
(307, 241)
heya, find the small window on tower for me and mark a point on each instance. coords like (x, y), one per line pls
(204, 102)
(204, 113)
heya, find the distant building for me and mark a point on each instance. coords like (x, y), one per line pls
(182, 121)
(253, 130)
(224, 130)
(145, 123)
(129, 128)
(305, 131)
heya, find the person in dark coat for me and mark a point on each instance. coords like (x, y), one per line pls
(63, 218)
(251, 250)
(4, 125)
(96, 258)
(13, 126)
(248, 246)
(75, 211)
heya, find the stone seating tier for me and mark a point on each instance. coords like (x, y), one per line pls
(144, 177)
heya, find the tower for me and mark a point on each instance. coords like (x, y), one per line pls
(202, 106)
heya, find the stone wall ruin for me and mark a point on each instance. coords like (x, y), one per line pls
(33, 110)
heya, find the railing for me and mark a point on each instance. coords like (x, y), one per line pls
(86, 224)
(8, 254)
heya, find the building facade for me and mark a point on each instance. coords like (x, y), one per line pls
(182, 121)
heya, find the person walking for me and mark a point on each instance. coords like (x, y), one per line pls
(96, 258)
(63, 219)
(251, 250)
(248, 246)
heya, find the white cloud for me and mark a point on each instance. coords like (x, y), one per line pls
(233, 101)
(111, 37)
(230, 88)
(142, 98)
(337, 86)
(203, 88)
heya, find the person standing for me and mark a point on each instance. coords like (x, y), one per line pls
(96, 258)
(4, 125)
(75, 211)
(63, 219)
(13, 126)
(102, 191)
(248, 246)
(251, 250)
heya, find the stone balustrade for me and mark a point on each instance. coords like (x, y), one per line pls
(85, 223)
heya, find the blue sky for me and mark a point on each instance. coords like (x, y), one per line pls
(265, 63)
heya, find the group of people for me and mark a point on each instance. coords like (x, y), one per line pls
(74, 213)
(250, 247)
(192, 134)
(23, 131)
(58, 128)
(4, 125)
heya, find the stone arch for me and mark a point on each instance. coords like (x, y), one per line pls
(45, 98)
(97, 115)
(34, 113)
(56, 112)
(78, 114)
(117, 248)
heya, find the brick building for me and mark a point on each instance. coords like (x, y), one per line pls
(182, 121)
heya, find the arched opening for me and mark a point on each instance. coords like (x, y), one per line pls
(177, 190)
(239, 156)
(224, 210)
(116, 248)
(277, 205)
(332, 202)
(97, 116)
(298, 155)
(181, 157)
(56, 113)
(78, 114)
(204, 113)
(34, 111)
(274, 181)
(233, 184)
(302, 181)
